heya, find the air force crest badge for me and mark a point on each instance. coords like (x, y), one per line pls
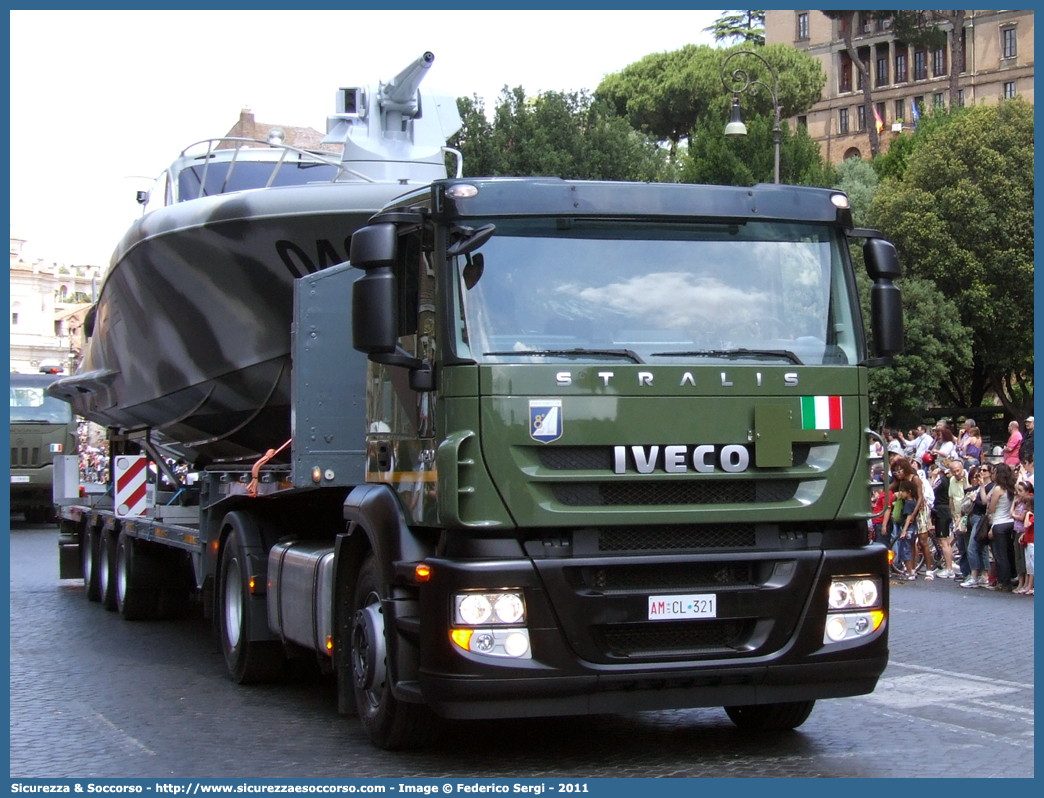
(545, 419)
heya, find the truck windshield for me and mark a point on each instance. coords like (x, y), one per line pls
(562, 289)
(31, 403)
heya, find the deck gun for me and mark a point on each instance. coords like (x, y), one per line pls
(395, 132)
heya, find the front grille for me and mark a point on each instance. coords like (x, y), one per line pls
(666, 638)
(667, 538)
(667, 576)
(24, 456)
(600, 458)
(645, 493)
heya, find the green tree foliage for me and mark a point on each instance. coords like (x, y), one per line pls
(747, 26)
(561, 134)
(936, 342)
(962, 216)
(664, 94)
(717, 159)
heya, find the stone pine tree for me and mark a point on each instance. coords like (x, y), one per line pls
(743, 26)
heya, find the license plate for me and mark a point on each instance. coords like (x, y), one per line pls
(18, 479)
(669, 608)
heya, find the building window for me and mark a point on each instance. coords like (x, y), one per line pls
(881, 113)
(58, 328)
(1009, 90)
(14, 318)
(844, 73)
(1009, 44)
(900, 110)
(882, 71)
(842, 127)
(900, 68)
(939, 62)
(860, 118)
(938, 101)
(802, 25)
(920, 65)
(803, 122)
(960, 98)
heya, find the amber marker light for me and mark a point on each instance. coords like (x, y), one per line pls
(422, 573)
(891, 556)
(877, 616)
(329, 644)
(462, 637)
(253, 582)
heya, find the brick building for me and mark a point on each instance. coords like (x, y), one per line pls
(998, 63)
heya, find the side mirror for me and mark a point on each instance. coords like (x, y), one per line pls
(374, 246)
(375, 324)
(886, 304)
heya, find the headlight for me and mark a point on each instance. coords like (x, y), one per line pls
(854, 593)
(490, 607)
(473, 609)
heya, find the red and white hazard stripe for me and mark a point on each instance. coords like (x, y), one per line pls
(130, 486)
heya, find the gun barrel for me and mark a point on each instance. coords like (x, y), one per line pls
(403, 86)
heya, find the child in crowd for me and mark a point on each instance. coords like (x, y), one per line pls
(907, 525)
(1018, 514)
(1026, 539)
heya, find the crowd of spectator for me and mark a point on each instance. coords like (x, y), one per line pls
(976, 508)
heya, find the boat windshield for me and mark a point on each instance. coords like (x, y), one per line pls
(223, 177)
(590, 290)
(31, 403)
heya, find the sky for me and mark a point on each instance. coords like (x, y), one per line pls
(103, 101)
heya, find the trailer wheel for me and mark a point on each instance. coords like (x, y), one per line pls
(106, 571)
(136, 594)
(248, 661)
(91, 566)
(771, 717)
(389, 722)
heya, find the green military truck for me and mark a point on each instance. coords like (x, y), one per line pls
(42, 428)
(558, 448)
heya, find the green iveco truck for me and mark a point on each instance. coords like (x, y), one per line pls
(42, 428)
(600, 447)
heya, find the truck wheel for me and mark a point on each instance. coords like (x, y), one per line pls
(248, 661)
(106, 571)
(771, 717)
(91, 567)
(136, 594)
(389, 722)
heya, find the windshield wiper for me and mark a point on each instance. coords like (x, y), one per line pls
(568, 353)
(735, 353)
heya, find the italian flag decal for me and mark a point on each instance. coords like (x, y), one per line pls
(820, 412)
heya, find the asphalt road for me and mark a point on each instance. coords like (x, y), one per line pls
(95, 696)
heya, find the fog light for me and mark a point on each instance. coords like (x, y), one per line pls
(836, 628)
(517, 644)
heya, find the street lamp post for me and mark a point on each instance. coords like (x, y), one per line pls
(741, 82)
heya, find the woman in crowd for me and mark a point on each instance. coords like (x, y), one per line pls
(978, 550)
(945, 446)
(972, 448)
(1002, 524)
(903, 470)
(959, 489)
(942, 516)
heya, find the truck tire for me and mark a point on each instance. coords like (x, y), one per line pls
(137, 593)
(106, 571)
(390, 723)
(771, 717)
(248, 661)
(91, 565)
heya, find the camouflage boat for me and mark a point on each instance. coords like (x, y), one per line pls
(190, 336)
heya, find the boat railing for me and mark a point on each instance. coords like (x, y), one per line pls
(214, 150)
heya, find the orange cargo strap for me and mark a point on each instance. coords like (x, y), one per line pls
(252, 487)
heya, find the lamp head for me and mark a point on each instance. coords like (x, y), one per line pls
(735, 127)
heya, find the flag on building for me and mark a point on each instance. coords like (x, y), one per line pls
(915, 112)
(878, 121)
(820, 412)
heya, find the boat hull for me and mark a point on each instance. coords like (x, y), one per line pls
(192, 329)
